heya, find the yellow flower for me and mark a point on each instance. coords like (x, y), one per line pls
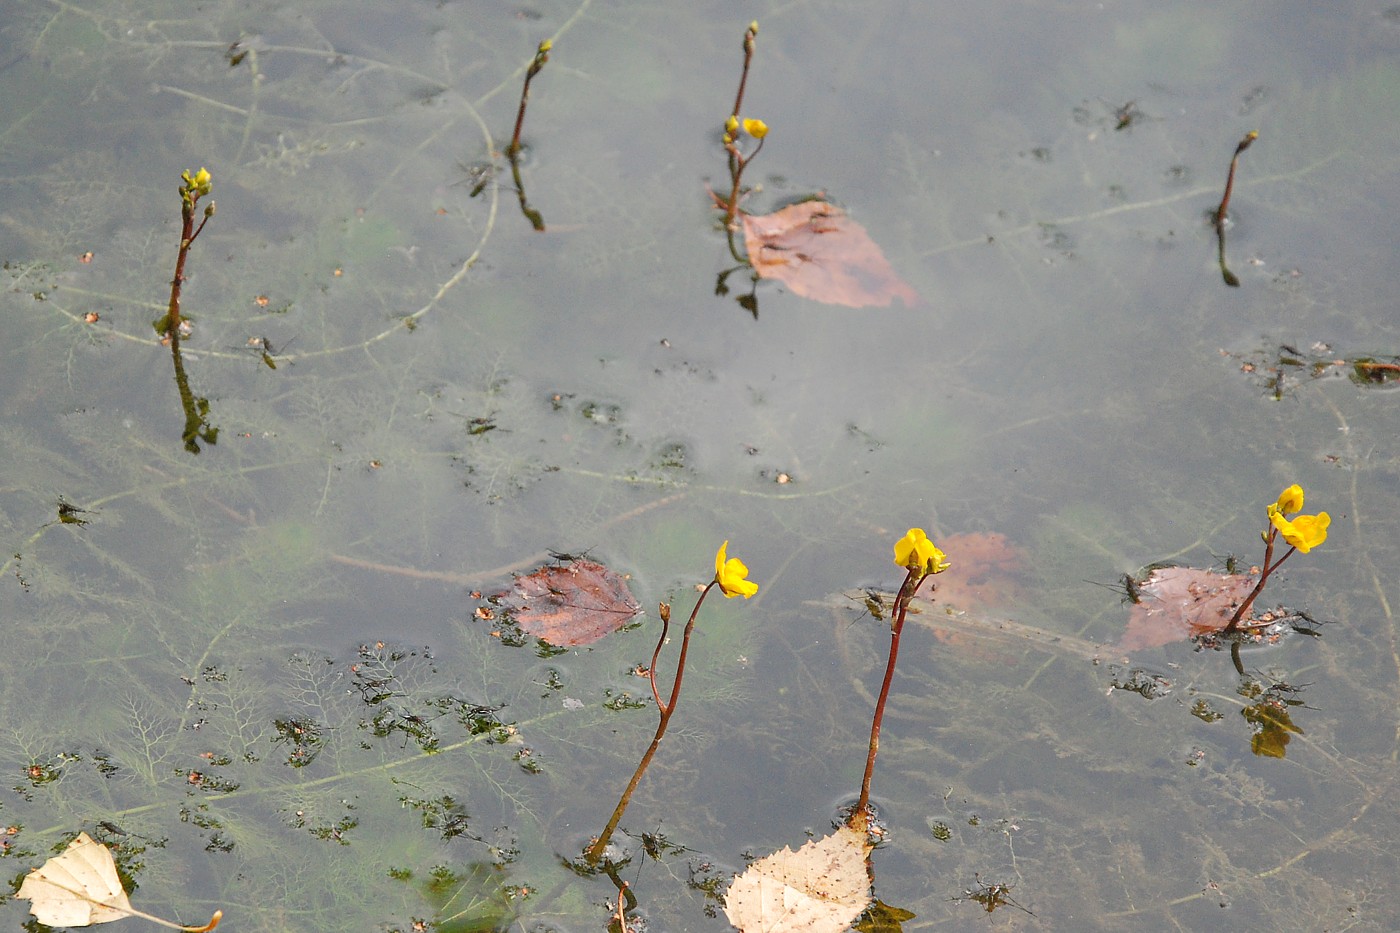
(731, 126)
(1290, 500)
(755, 128)
(916, 552)
(730, 575)
(196, 187)
(1304, 532)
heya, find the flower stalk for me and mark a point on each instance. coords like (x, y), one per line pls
(1221, 212)
(920, 558)
(756, 129)
(1301, 533)
(191, 191)
(541, 59)
(731, 576)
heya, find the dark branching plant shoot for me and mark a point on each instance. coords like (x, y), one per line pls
(1222, 212)
(191, 191)
(753, 128)
(731, 576)
(513, 150)
(173, 326)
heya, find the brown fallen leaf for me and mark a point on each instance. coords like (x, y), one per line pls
(982, 580)
(576, 603)
(823, 886)
(1177, 603)
(815, 249)
(984, 571)
(80, 887)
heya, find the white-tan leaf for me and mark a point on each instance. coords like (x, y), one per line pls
(821, 888)
(77, 887)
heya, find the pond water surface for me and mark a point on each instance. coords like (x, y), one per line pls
(244, 596)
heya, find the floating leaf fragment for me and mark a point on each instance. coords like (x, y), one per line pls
(818, 252)
(572, 604)
(80, 887)
(823, 886)
(1177, 603)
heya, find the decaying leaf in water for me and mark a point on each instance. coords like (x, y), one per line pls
(1177, 603)
(982, 580)
(1272, 724)
(820, 253)
(983, 572)
(80, 887)
(823, 886)
(882, 918)
(576, 603)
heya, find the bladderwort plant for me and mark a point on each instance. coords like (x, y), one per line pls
(193, 188)
(753, 128)
(921, 559)
(513, 150)
(1302, 533)
(731, 576)
(1222, 213)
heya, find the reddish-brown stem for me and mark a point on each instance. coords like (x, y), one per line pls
(651, 671)
(737, 164)
(1248, 603)
(621, 907)
(188, 234)
(541, 57)
(749, 35)
(1222, 211)
(860, 819)
(595, 850)
(1370, 365)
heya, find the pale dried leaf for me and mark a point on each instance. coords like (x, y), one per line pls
(823, 886)
(77, 887)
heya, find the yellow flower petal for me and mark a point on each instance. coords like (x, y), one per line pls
(1304, 532)
(756, 128)
(916, 552)
(1290, 500)
(730, 575)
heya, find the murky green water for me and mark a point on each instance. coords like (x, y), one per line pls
(250, 658)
